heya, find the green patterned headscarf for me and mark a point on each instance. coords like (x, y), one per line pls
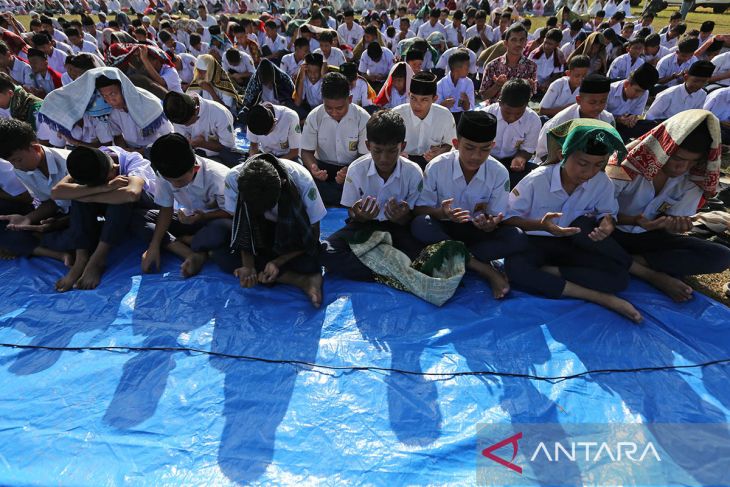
(574, 135)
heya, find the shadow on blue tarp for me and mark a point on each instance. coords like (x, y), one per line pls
(156, 417)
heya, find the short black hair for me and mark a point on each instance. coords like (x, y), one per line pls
(3, 48)
(195, 39)
(335, 86)
(375, 52)
(6, 82)
(552, 21)
(88, 166)
(576, 24)
(386, 127)
(371, 30)
(635, 41)
(261, 119)
(688, 44)
(103, 82)
(460, 56)
(652, 40)
(271, 24)
(32, 52)
(581, 61)
(178, 107)
(554, 35)
(259, 184)
(46, 20)
(515, 29)
(474, 44)
(326, 36)
(82, 60)
(72, 32)
(171, 156)
(301, 42)
(164, 36)
(516, 93)
(233, 55)
(14, 135)
(40, 39)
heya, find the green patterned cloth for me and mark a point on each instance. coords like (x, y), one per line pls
(433, 276)
(573, 135)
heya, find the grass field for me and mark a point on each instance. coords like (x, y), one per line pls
(694, 19)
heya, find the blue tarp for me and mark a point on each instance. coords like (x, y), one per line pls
(156, 417)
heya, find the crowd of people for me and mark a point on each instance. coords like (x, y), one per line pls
(579, 152)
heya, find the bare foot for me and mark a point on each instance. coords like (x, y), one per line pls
(68, 259)
(622, 307)
(67, 282)
(91, 276)
(311, 284)
(497, 280)
(192, 265)
(675, 288)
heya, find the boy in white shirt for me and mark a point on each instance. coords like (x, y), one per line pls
(625, 64)
(239, 66)
(518, 128)
(359, 88)
(430, 127)
(308, 93)
(207, 124)
(673, 67)
(274, 129)
(627, 101)
(465, 198)
(380, 192)
(110, 182)
(350, 30)
(290, 62)
(456, 91)
(375, 64)
(333, 137)
(686, 96)
(333, 56)
(562, 92)
(195, 186)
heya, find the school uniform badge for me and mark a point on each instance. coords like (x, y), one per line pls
(353, 145)
(312, 193)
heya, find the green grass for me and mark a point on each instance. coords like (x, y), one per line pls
(694, 19)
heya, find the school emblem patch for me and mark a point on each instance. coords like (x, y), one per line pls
(420, 186)
(298, 129)
(353, 145)
(312, 193)
(515, 192)
(665, 207)
(284, 145)
(506, 187)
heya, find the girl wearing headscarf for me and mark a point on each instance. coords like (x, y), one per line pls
(659, 186)
(396, 88)
(213, 83)
(595, 48)
(568, 210)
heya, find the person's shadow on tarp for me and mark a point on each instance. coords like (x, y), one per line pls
(30, 304)
(277, 324)
(165, 308)
(697, 331)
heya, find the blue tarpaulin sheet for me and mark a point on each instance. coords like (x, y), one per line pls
(168, 418)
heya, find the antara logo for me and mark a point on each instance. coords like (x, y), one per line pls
(592, 452)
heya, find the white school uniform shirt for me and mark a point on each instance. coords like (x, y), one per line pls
(421, 134)
(363, 180)
(336, 143)
(426, 29)
(567, 49)
(668, 43)
(278, 44)
(668, 65)
(44, 82)
(21, 72)
(172, 79)
(215, 122)
(313, 92)
(91, 39)
(187, 70)
(133, 164)
(443, 62)
(563, 116)
(718, 102)
(663, 51)
(86, 46)
(545, 66)
(204, 48)
(291, 65)
(206, 192)
(541, 192)
(351, 36)
(57, 60)
(379, 68)
(245, 66)
(622, 66)
(313, 44)
(396, 99)
(452, 34)
(9, 181)
(472, 32)
(487, 192)
(516, 136)
(722, 66)
(559, 94)
(301, 178)
(285, 135)
(446, 88)
(679, 197)
(336, 57)
(94, 130)
(38, 185)
(675, 100)
(65, 79)
(121, 123)
(618, 106)
(360, 93)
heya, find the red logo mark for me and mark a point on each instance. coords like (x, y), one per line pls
(487, 452)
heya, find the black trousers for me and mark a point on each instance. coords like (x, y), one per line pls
(602, 266)
(517, 176)
(485, 246)
(330, 190)
(676, 255)
(337, 257)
